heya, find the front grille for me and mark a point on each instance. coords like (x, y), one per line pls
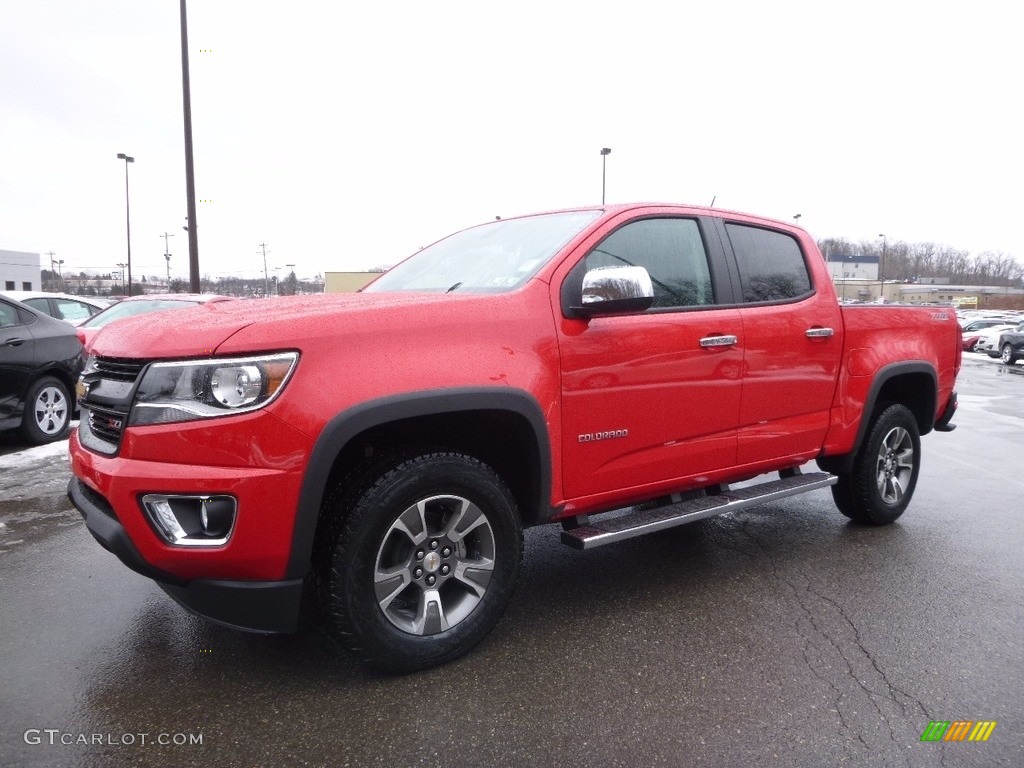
(119, 369)
(110, 387)
(107, 424)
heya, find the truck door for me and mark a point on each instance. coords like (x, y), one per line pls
(646, 399)
(792, 345)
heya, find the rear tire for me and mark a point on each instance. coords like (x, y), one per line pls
(47, 414)
(881, 482)
(423, 563)
(1007, 355)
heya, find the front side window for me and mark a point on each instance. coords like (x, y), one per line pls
(72, 310)
(671, 250)
(771, 264)
(491, 258)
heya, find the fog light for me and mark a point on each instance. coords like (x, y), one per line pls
(192, 521)
(216, 516)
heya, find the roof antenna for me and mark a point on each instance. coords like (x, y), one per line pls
(713, 198)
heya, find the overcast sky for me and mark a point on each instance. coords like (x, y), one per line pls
(347, 135)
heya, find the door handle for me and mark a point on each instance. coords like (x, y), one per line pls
(15, 342)
(718, 341)
(819, 333)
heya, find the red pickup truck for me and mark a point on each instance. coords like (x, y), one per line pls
(374, 457)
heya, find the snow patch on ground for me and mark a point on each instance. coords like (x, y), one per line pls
(30, 456)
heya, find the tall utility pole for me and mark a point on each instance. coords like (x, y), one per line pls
(266, 278)
(190, 175)
(167, 255)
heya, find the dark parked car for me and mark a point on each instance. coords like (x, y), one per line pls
(1010, 346)
(40, 359)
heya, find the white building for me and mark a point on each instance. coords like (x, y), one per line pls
(852, 267)
(20, 271)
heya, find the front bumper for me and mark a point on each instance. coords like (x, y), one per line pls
(254, 606)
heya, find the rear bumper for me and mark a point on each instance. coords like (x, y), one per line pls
(253, 606)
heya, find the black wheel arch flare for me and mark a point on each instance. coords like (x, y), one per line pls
(922, 405)
(349, 424)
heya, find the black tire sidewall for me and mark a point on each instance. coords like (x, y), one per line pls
(859, 498)
(353, 608)
(29, 429)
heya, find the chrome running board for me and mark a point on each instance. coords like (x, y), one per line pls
(597, 533)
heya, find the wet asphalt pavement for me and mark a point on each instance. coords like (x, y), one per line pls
(777, 636)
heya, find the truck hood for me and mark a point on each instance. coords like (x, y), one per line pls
(278, 323)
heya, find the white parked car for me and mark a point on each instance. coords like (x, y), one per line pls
(63, 306)
(988, 338)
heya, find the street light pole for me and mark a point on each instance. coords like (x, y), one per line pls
(128, 215)
(122, 266)
(56, 263)
(605, 151)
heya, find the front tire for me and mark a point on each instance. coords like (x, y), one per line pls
(881, 483)
(424, 562)
(47, 412)
(1007, 355)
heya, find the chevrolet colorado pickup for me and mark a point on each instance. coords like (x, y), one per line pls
(374, 457)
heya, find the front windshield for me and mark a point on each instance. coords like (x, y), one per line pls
(131, 308)
(491, 258)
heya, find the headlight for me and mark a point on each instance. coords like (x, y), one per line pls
(203, 389)
(89, 364)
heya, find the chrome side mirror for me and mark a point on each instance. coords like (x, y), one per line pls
(615, 290)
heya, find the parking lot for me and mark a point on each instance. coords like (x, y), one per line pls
(782, 635)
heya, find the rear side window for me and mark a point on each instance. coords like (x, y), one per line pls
(672, 252)
(771, 264)
(8, 316)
